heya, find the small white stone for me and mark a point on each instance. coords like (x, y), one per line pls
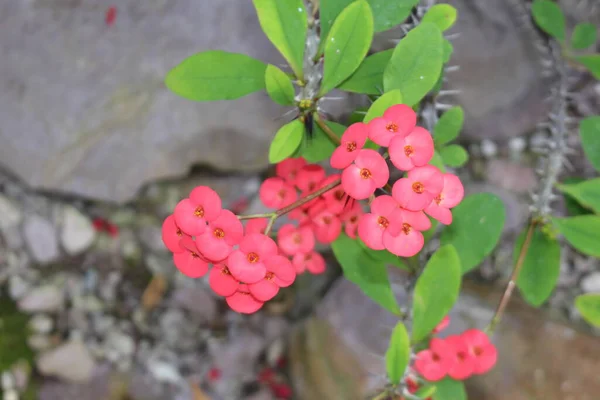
(517, 145)
(42, 299)
(163, 371)
(41, 239)
(39, 342)
(11, 394)
(7, 381)
(591, 283)
(10, 215)
(78, 232)
(122, 343)
(41, 323)
(489, 149)
(71, 361)
(17, 287)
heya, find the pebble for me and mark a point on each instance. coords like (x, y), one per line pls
(17, 287)
(163, 371)
(78, 232)
(10, 215)
(71, 361)
(489, 149)
(11, 394)
(40, 238)
(122, 343)
(41, 323)
(42, 299)
(591, 283)
(39, 342)
(7, 381)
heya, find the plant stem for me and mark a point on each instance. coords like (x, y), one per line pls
(513, 279)
(252, 216)
(330, 134)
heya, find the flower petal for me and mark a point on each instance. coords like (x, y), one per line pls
(404, 245)
(187, 220)
(209, 200)
(189, 265)
(243, 302)
(243, 270)
(370, 232)
(264, 290)
(222, 282)
(403, 116)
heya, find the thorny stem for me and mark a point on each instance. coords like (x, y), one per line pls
(330, 134)
(513, 279)
(253, 216)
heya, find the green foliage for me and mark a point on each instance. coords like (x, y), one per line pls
(447, 51)
(589, 131)
(441, 15)
(368, 77)
(449, 126)
(320, 147)
(13, 334)
(430, 232)
(425, 392)
(436, 291)
(384, 102)
(328, 12)
(397, 355)
(437, 161)
(216, 75)
(549, 17)
(589, 307)
(364, 271)
(416, 63)
(285, 24)
(541, 266)
(286, 141)
(279, 86)
(582, 232)
(584, 36)
(454, 155)
(449, 389)
(592, 63)
(388, 14)
(476, 228)
(587, 193)
(572, 205)
(383, 256)
(347, 44)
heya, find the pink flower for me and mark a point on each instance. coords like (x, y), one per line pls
(222, 234)
(385, 218)
(190, 262)
(280, 273)
(410, 240)
(256, 225)
(247, 264)
(336, 200)
(442, 325)
(368, 173)
(482, 349)
(294, 240)
(327, 226)
(221, 281)
(351, 142)
(434, 363)
(243, 302)
(398, 120)
(309, 177)
(414, 150)
(350, 219)
(416, 191)
(288, 169)
(313, 262)
(463, 363)
(171, 235)
(452, 193)
(276, 193)
(192, 214)
(300, 214)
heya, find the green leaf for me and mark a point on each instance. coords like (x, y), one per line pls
(589, 131)
(397, 355)
(347, 44)
(368, 77)
(582, 232)
(320, 147)
(476, 228)
(437, 161)
(384, 256)
(279, 86)
(384, 102)
(441, 15)
(436, 291)
(572, 205)
(592, 63)
(13, 334)
(216, 75)
(589, 307)
(549, 17)
(587, 193)
(416, 63)
(328, 12)
(541, 266)
(368, 274)
(388, 14)
(449, 389)
(430, 232)
(285, 24)
(358, 115)
(447, 51)
(449, 125)
(584, 36)
(454, 155)
(425, 392)
(286, 141)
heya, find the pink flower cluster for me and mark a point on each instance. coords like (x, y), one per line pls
(395, 222)
(247, 267)
(457, 356)
(321, 219)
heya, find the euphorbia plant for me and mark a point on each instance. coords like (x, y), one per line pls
(369, 220)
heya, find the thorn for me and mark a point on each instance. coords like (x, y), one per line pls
(451, 68)
(443, 106)
(453, 36)
(449, 92)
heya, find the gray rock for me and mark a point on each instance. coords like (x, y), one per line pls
(41, 323)
(42, 299)
(39, 342)
(78, 233)
(11, 394)
(7, 381)
(512, 176)
(40, 238)
(10, 215)
(17, 287)
(116, 125)
(591, 283)
(196, 299)
(70, 361)
(121, 342)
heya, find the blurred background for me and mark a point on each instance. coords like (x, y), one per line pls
(95, 152)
